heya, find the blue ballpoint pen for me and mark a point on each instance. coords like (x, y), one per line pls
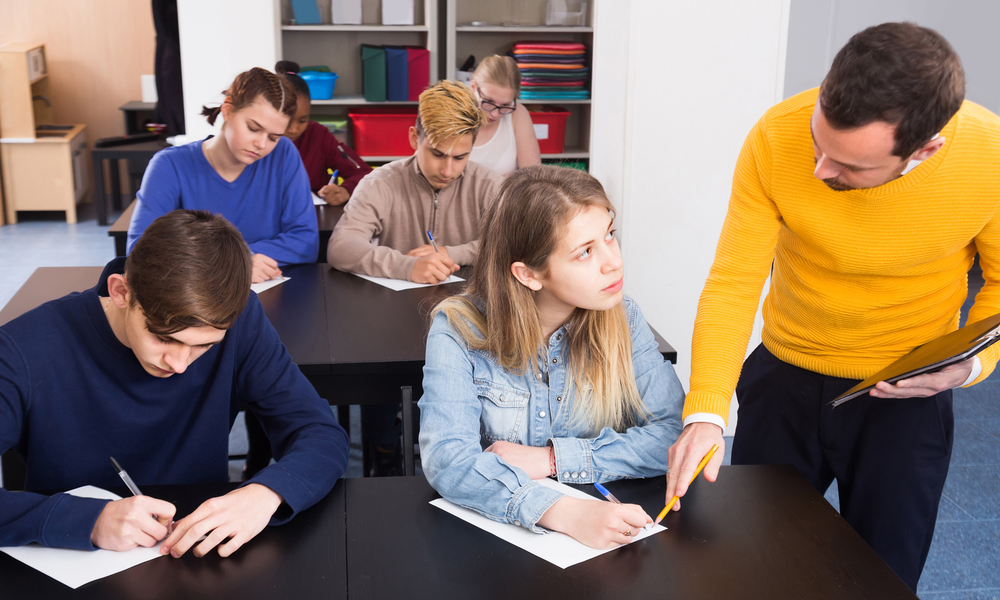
(433, 243)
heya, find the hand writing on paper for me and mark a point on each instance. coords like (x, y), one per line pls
(427, 249)
(683, 457)
(928, 384)
(334, 194)
(594, 523)
(237, 517)
(264, 268)
(433, 268)
(531, 459)
(137, 521)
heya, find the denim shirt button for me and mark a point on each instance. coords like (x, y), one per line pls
(559, 337)
(573, 475)
(566, 475)
(583, 473)
(518, 523)
(541, 413)
(555, 361)
(558, 398)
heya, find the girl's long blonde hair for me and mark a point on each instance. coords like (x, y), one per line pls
(524, 224)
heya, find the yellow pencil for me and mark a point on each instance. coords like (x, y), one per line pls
(701, 466)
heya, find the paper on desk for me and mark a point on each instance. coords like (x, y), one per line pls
(557, 548)
(270, 283)
(317, 201)
(397, 285)
(77, 567)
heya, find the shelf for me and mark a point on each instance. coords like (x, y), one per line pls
(554, 101)
(523, 29)
(569, 153)
(356, 99)
(417, 28)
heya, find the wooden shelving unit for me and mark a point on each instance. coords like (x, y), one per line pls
(338, 47)
(504, 23)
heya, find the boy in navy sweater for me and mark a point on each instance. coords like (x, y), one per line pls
(151, 366)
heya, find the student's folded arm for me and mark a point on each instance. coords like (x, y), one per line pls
(310, 448)
(159, 194)
(641, 451)
(59, 521)
(450, 451)
(297, 241)
(351, 247)
(729, 300)
(987, 301)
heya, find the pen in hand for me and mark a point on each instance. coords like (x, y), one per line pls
(132, 487)
(433, 243)
(333, 176)
(701, 466)
(611, 498)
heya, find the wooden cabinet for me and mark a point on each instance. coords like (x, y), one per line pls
(45, 166)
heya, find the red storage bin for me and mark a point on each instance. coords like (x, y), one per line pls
(550, 128)
(383, 130)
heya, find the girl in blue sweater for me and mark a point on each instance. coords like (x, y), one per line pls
(249, 174)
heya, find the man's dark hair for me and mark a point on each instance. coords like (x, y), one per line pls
(190, 268)
(900, 73)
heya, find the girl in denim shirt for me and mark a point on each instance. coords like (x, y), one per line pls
(543, 368)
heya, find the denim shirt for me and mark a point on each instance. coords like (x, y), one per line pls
(469, 402)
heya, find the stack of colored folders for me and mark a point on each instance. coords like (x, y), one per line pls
(552, 70)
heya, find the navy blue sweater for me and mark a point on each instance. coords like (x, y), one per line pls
(71, 395)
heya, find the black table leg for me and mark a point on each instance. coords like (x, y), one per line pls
(99, 200)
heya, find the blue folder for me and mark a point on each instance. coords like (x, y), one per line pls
(397, 83)
(306, 12)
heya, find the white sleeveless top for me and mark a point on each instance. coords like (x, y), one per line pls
(500, 153)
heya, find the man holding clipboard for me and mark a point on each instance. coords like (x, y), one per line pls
(866, 202)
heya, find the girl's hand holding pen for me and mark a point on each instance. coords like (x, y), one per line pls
(594, 523)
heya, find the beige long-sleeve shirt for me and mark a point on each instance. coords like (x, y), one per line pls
(392, 209)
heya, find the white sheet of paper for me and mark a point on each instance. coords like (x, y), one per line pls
(317, 201)
(270, 283)
(397, 285)
(77, 567)
(557, 548)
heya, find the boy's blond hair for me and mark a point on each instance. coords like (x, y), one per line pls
(448, 109)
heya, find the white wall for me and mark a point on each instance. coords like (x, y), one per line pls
(819, 28)
(219, 40)
(678, 85)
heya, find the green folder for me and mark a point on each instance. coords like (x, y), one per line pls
(373, 72)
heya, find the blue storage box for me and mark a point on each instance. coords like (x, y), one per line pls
(397, 84)
(320, 84)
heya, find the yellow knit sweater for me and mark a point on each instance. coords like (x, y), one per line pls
(860, 277)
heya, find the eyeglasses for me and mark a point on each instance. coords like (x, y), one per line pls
(490, 106)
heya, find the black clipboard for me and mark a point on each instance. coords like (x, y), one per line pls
(932, 356)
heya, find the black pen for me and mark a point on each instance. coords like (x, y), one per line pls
(132, 487)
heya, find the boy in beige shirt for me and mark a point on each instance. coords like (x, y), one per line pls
(384, 228)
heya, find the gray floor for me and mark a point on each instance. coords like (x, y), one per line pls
(964, 561)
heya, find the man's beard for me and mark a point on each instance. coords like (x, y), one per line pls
(837, 185)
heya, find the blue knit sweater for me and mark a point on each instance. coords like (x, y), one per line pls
(71, 395)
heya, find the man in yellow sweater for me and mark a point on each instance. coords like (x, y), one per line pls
(866, 201)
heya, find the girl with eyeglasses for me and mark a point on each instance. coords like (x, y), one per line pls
(544, 368)
(507, 142)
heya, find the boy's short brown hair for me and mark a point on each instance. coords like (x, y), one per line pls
(190, 268)
(899, 73)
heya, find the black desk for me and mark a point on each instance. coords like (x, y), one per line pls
(326, 218)
(758, 532)
(306, 558)
(138, 156)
